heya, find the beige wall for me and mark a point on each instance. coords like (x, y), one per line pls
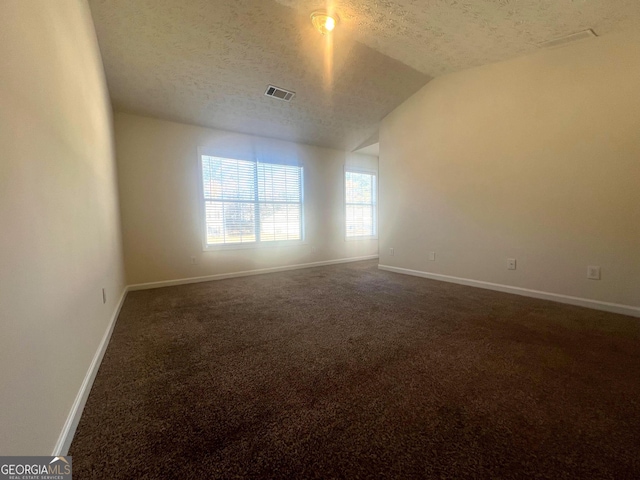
(60, 237)
(536, 158)
(159, 194)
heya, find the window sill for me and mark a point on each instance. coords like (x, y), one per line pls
(253, 246)
(361, 237)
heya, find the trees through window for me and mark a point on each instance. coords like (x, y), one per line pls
(360, 204)
(249, 202)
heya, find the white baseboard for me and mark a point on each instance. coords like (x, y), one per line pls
(69, 429)
(222, 276)
(555, 297)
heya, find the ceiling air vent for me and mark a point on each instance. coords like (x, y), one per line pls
(279, 93)
(569, 38)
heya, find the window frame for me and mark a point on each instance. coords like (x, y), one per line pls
(202, 203)
(374, 204)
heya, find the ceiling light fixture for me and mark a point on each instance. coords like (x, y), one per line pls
(324, 22)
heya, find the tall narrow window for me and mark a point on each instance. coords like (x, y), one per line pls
(251, 202)
(361, 204)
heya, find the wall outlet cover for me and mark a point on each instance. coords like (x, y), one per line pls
(593, 272)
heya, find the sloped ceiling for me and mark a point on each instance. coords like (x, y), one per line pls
(442, 36)
(208, 62)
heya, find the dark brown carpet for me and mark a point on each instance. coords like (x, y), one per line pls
(350, 372)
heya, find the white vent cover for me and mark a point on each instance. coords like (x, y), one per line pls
(279, 93)
(569, 38)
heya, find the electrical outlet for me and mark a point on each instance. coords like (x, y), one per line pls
(593, 272)
(432, 256)
(193, 260)
(392, 252)
(104, 295)
(511, 263)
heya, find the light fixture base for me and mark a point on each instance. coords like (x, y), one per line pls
(323, 21)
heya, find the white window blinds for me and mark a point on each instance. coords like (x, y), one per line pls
(360, 204)
(251, 202)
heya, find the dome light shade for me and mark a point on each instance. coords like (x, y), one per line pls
(324, 22)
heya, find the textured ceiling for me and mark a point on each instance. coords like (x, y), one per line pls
(442, 36)
(208, 62)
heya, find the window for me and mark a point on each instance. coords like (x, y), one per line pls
(249, 202)
(360, 204)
